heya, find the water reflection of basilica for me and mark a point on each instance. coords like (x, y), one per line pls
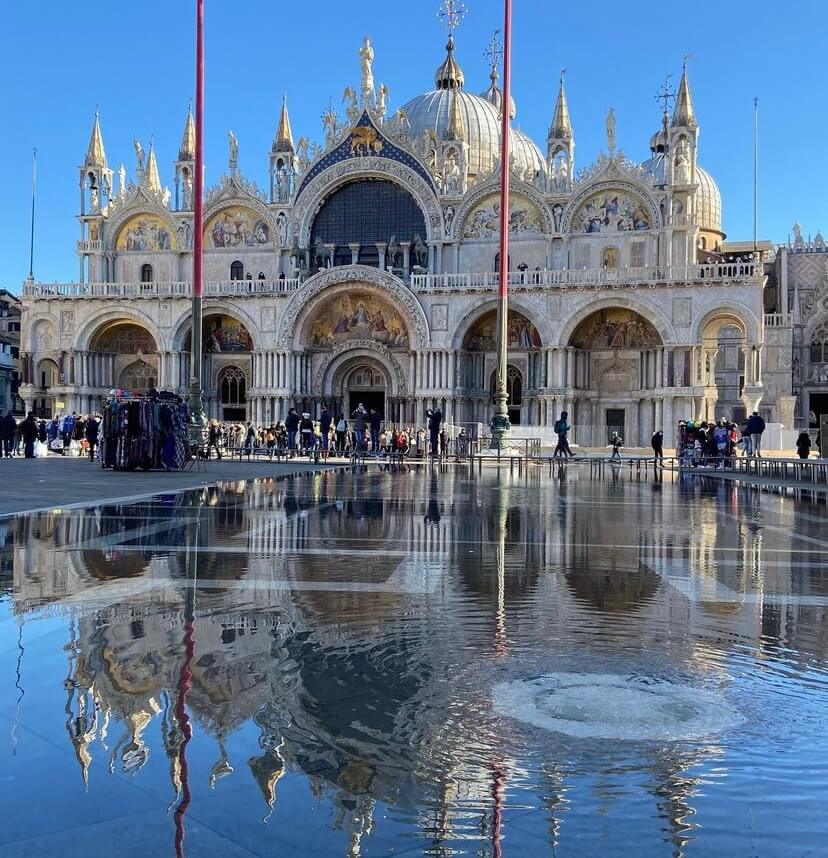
(377, 694)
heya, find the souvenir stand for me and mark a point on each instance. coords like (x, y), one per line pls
(144, 432)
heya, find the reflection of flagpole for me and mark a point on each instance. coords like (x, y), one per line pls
(31, 237)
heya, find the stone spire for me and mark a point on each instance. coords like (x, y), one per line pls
(186, 151)
(456, 128)
(95, 155)
(449, 75)
(283, 141)
(494, 94)
(683, 115)
(151, 180)
(561, 127)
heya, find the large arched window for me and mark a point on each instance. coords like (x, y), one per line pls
(236, 270)
(146, 273)
(233, 386)
(367, 212)
(819, 344)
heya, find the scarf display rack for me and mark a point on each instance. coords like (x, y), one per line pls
(144, 432)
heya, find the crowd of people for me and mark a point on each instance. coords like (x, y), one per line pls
(334, 434)
(68, 434)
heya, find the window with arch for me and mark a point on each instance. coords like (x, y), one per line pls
(819, 343)
(366, 377)
(146, 273)
(124, 338)
(236, 270)
(137, 376)
(233, 386)
(514, 386)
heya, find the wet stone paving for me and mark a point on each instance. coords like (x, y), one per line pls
(418, 662)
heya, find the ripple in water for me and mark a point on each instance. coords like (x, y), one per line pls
(609, 706)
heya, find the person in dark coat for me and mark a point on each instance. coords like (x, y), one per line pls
(755, 428)
(435, 419)
(803, 445)
(8, 429)
(376, 425)
(291, 427)
(658, 445)
(91, 431)
(29, 431)
(325, 421)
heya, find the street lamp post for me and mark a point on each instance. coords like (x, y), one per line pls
(500, 421)
(196, 405)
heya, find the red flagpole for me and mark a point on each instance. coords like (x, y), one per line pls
(500, 423)
(196, 405)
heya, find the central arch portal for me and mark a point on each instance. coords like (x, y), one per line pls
(365, 384)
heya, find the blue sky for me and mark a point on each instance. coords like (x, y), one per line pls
(135, 61)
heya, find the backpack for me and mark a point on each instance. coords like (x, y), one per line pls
(340, 426)
(557, 427)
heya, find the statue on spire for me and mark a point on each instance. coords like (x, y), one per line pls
(611, 131)
(139, 157)
(366, 54)
(234, 150)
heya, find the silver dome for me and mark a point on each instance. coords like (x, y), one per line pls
(481, 120)
(708, 196)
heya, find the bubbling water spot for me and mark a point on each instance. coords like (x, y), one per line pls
(610, 706)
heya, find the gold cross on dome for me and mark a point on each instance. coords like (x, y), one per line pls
(451, 14)
(494, 50)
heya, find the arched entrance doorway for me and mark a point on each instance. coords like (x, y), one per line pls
(365, 384)
(616, 355)
(232, 389)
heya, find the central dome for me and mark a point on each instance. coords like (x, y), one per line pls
(431, 112)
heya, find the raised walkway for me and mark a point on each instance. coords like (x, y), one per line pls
(27, 485)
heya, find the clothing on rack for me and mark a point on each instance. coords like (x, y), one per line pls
(144, 432)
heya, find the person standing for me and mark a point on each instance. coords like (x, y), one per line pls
(325, 428)
(376, 425)
(341, 431)
(8, 429)
(755, 428)
(29, 432)
(435, 419)
(658, 446)
(306, 431)
(359, 426)
(562, 428)
(91, 433)
(291, 427)
(803, 445)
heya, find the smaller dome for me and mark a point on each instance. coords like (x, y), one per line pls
(708, 196)
(658, 142)
(494, 95)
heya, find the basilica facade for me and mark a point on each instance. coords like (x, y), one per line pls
(366, 272)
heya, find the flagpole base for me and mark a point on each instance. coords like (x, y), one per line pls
(501, 427)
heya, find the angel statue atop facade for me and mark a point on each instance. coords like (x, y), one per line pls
(349, 97)
(302, 146)
(611, 131)
(366, 56)
(234, 150)
(382, 101)
(139, 156)
(330, 125)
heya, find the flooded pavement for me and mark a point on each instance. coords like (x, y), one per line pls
(417, 662)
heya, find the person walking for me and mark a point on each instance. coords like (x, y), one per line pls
(617, 443)
(376, 425)
(8, 429)
(658, 446)
(250, 439)
(29, 431)
(325, 421)
(755, 428)
(91, 433)
(803, 445)
(435, 419)
(214, 438)
(562, 428)
(291, 427)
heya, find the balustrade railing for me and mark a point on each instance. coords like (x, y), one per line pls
(591, 278)
(171, 289)
(87, 246)
(778, 320)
